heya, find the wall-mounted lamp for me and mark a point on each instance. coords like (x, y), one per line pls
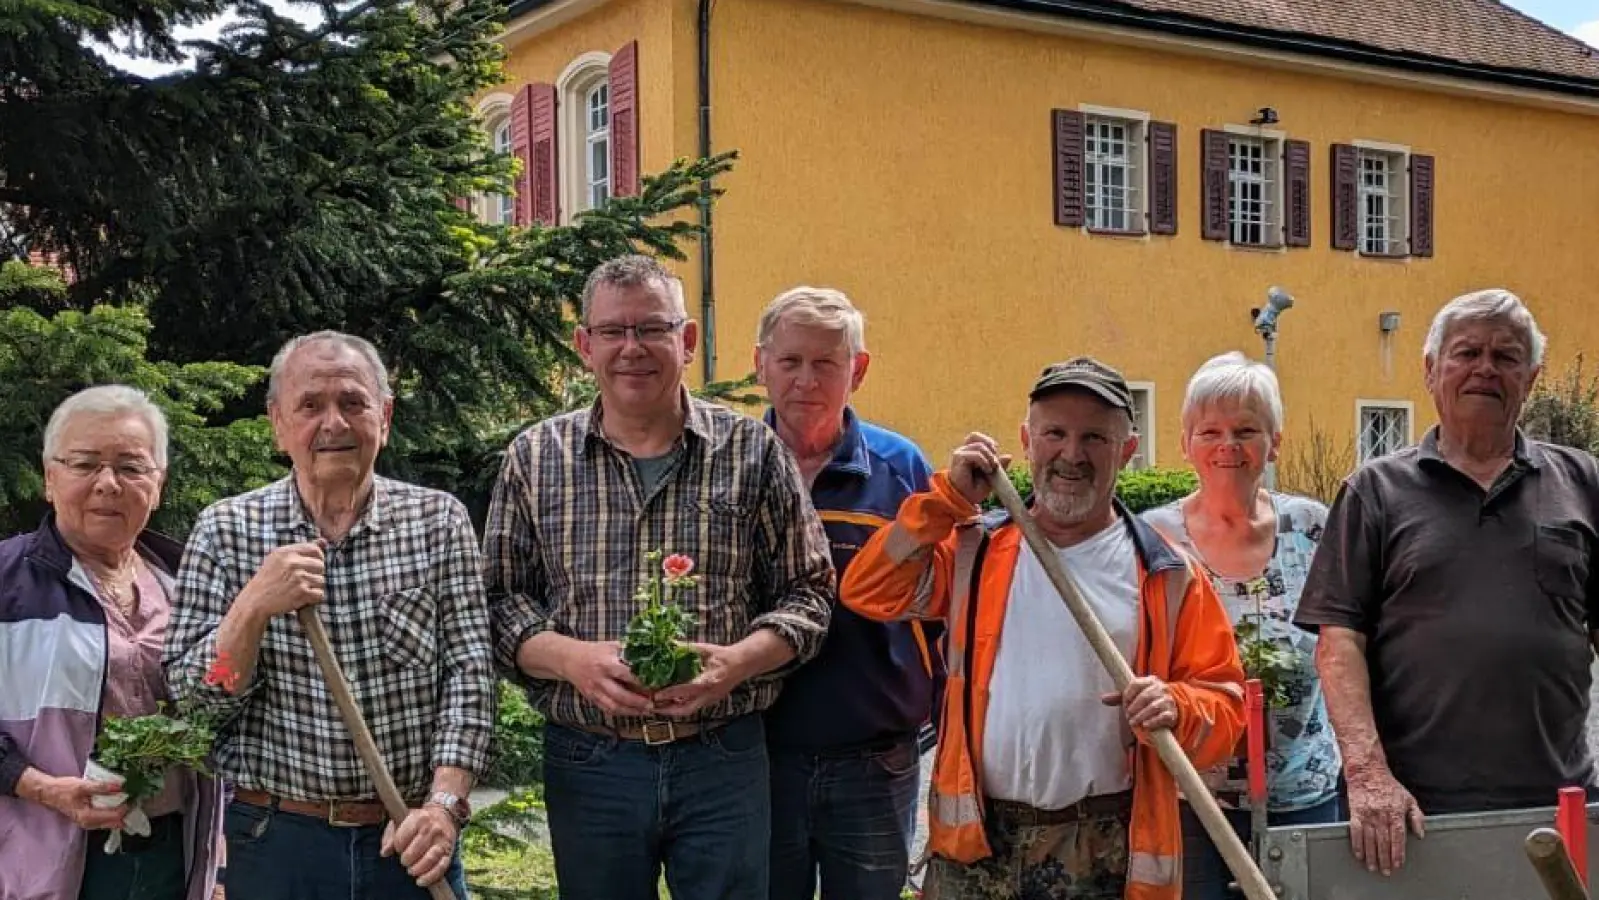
(1388, 322)
(1267, 116)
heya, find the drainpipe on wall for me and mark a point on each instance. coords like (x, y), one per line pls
(707, 251)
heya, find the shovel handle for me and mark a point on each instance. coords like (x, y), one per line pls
(350, 711)
(1171, 753)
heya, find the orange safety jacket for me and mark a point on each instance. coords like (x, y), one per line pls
(940, 560)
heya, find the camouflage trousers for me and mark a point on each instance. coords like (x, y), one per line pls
(1075, 854)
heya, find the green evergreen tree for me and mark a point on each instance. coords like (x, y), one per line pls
(305, 177)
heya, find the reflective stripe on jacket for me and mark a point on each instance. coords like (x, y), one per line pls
(939, 560)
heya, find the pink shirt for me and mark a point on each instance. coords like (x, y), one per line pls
(134, 680)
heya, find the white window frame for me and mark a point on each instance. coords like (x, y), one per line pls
(1270, 179)
(1384, 214)
(502, 207)
(495, 113)
(597, 144)
(1408, 407)
(572, 89)
(1133, 211)
(1144, 420)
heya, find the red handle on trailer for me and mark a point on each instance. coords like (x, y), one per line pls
(1571, 819)
(1255, 710)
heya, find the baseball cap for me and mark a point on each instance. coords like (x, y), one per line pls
(1086, 373)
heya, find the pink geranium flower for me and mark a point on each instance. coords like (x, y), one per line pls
(677, 566)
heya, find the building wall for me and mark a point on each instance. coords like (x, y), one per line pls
(907, 160)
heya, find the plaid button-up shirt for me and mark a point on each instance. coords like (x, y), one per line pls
(407, 617)
(569, 526)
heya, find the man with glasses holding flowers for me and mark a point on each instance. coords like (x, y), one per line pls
(654, 567)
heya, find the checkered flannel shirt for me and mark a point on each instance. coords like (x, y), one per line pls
(407, 617)
(569, 525)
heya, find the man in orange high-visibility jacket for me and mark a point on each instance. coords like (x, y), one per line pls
(1041, 788)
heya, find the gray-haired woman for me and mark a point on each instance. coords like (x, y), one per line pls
(84, 602)
(1256, 546)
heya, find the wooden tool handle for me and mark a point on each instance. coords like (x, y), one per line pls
(1552, 860)
(393, 803)
(1171, 753)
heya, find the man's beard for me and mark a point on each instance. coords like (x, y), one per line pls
(1067, 507)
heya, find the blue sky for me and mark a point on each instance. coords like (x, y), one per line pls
(1578, 17)
(1565, 15)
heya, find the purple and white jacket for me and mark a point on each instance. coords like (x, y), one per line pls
(52, 677)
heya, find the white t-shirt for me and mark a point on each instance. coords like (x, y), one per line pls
(1048, 741)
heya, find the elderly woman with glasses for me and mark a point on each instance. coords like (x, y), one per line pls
(1256, 546)
(84, 602)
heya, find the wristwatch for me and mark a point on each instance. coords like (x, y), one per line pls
(457, 807)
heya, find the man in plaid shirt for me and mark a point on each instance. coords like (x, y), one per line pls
(633, 781)
(396, 571)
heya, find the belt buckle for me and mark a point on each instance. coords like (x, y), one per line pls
(671, 733)
(333, 816)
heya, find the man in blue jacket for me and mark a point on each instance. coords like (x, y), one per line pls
(843, 736)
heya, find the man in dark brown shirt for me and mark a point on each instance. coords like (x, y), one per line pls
(1456, 596)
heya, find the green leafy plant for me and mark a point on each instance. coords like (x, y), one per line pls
(655, 647)
(1139, 489)
(140, 750)
(1270, 663)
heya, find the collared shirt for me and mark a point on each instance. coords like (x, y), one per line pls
(570, 523)
(872, 680)
(134, 683)
(1477, 607)
(405, 611)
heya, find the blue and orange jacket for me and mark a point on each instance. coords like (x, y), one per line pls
(872, 681)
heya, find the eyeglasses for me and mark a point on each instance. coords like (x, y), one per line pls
(125, 470)
(646, 332)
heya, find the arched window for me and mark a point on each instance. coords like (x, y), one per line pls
(502, 207)
(494, 114)
(584, 133)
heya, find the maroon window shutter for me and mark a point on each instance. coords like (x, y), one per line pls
(462, 203)
(1162, 178)
(624, 121)
(1213, 183)
(1421, 188)
(1345, 197)
(522, 149)
(1296, 183)
(546, 188)
(1068, 163)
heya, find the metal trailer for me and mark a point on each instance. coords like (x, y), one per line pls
(1529, 854)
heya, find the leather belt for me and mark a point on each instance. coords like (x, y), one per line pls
(655, 733)
(1097, 807)
(338, 813)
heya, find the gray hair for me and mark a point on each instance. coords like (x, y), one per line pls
(631, 270)
(816, 307)
(1234, 376)
(108, 400)
(1493, 304)
(361, 346)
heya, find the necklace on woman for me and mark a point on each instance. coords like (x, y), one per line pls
(117, 586)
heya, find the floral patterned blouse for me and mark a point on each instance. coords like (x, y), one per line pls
(1302, 761)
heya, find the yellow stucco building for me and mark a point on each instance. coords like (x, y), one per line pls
(1004, 183)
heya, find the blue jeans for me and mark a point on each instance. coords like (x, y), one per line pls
(277, 855)
(619, 811)
(848, 816)
(1205, 873)
(145, 869)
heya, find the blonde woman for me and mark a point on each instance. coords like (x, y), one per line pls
(1256, 546)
